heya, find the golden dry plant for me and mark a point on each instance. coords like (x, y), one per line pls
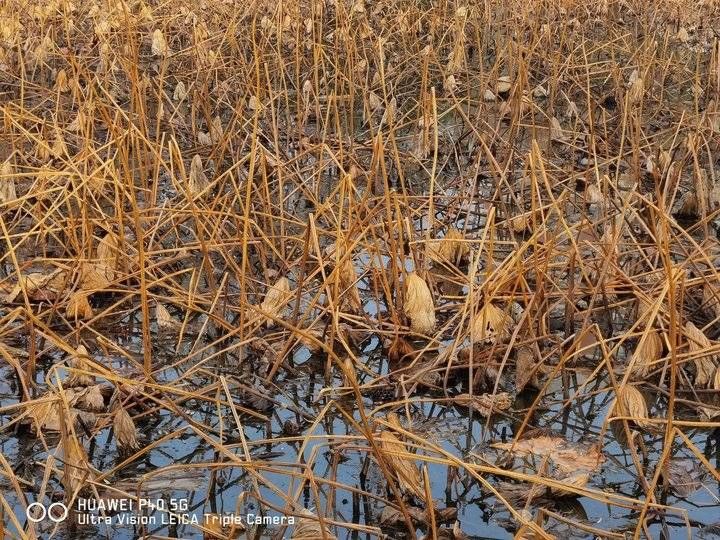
(239, 241)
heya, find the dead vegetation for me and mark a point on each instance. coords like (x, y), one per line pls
(391, 268)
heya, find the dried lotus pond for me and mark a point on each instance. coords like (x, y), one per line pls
(344, 269)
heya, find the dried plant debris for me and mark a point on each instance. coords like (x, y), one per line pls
(705, 364)
(684, 476)
(570, 463)
(235, 235)
(275, 300)
(485, 404)
(397, 456)
(490, 324)
(419, 304)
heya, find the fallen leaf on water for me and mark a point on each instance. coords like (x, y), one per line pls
(569, 462)
(485, 404)
(526, 533)
(684, 476)
(38, 285)
(92, 398)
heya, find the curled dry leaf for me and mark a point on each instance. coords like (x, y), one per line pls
(451, 248)
(485, 404)
(503, 85)
(78, 306)
(631, 403)
(308, 527)
(198, 181)
(450, 84)
(275, 300)
(216, 129)
(45, 414)
(400, 349)
(108, 250)
(688, 204)
(358, 7)
(490, 323)
(38, 285)
(682, 36)
(8, 193)
(705, 364)
(95, 276)
(636, 90)
(159, 45)
(556, 131)
(307, 89)
(594, 194)
(204, 138)
(180, 92)
(648, 351)
(405, 469)
(164, 319)
(80, 361)
(520, 223)
(349, 293)
(61, 81)
(125, 432)
(374, 101)
(93, 399)
(254, 103)
(540, 91)
(419, 305)
(76, 470)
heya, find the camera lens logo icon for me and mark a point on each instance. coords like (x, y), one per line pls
(37, 512)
